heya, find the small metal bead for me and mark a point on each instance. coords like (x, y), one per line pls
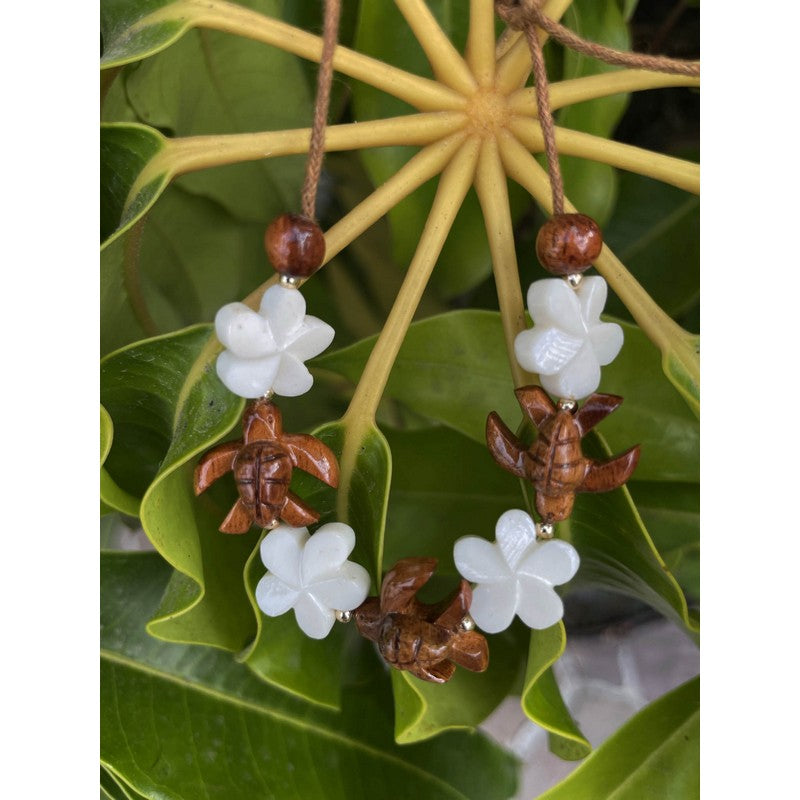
(467, 624)
(274, 525)
(567, 404)
(574, 280)
(290, 281)
(544, 530)
(344, 616)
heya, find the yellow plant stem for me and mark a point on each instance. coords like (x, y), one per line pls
(453, 185)
(194, 153)
(422, 93)
(675, 171)
(492, 188)
(666, 334)
(480, 41)
(422, 167)
(515, 66)
(448, 66)
(592, 87)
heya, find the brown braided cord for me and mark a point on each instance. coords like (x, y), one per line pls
(316, 150)
(521, 14)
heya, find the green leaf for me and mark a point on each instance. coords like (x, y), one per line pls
(183, 721)
(453, 368)
(114, 788)
(168, 406)
(655, 231)
(592, 187)
(465, 260)
(177, 268)
(444, 486)
(541, 699)
(656, 754)
(424, 710)
(112, 498)
(126, 150)
(134, 29)
(106, 434)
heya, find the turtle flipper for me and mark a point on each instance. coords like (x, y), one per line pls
(214, 464)
(505, 448)
(297, 513)
(595, 408)
(441, 672)
(402, 582)
(369, 619)
(535, 403)
(451, 611)
(239, 519)
(310, 455)
(471, 651)
(603, 476)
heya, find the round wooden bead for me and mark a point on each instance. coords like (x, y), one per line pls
(568, 243)
(295, 245)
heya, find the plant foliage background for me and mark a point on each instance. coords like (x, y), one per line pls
(202, 696)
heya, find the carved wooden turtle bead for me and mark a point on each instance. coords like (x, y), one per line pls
(295, 245)
(568, 243)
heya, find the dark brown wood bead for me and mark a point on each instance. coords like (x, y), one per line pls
(295, 245)
(568, 243)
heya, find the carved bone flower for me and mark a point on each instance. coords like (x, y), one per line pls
(311, 575)
(515, 574)
(266, 350)
(568, 343)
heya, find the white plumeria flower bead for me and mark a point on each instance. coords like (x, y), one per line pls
(568, 343)
(266, 350)
(311, 575)
(516, 574)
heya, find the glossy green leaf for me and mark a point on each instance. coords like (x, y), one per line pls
(423, 710)
(106, 434)
(126, 149)
(592, 187)
(177, 268)
(656, 754)
(135, 29)
(183, 721)
(681, 367)
(655, 232)
(453, 368)
(112, 498)
(114, 788)
(444, 486)
(168, 406)
(541, 699)
(465, 260)
(213, 83)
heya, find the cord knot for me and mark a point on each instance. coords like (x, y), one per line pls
(518, 14)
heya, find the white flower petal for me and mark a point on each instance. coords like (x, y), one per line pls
(494, 604)
(326, 551)
(545, 350)
(247, 377)
(538, 606)
(578, 379)
(293, 378)
(274, 597)
(552, 303)
(245, 333)
(310, 339)
(592, 293)
(282, 552)
(285, 310)
(516, 534)
(314, 619)
(554, 561)
(479, 561)
(347, 590)
(606, 339)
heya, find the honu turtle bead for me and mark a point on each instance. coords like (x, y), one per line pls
(295, 245)
(568, 243)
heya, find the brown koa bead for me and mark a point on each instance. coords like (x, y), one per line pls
(568, 243)
(295, 245)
